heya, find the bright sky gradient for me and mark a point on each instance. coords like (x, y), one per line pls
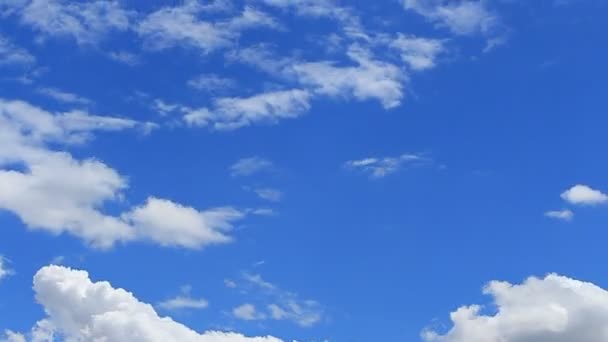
(303, 170)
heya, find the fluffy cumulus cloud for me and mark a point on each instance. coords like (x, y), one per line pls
(171, 224)
(552, 309)
(79, 309)
(53, 191)
(584, 195)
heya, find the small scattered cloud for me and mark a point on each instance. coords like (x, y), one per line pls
(212, 83)
(63, 96)
(229, 113)
(251, 165)
(564, 215)
(269, 194)
(247, 312)
(124, 57)
(584, 195)
(184, 301)
(5, 271)
(229, 283)
(379, 167)
(11, 54)
(419, 53)
(465, 17)
(278, 304)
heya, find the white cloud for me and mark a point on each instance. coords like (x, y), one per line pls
(248, 312)
(63, 96)
(282, 304)
(369, 79)
(85, 22)
(52, 191)
(10, 54)
(553, 309)
(349, 22)
(418, 53)
(381, 167)
(12, 336)
(124, 57)
(176, 26)
(461, 17)
(184, 302)
(565, 215)
(81, 310)
(249, 166)
(235, 112)
(211, 83)
(4, 270)
(269, 194)
(582, 194)
(171, 224)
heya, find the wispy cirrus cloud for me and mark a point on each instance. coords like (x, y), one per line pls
(278, 304)
(250, 165)
(11, 54)
(379, 167)
(87, 23)
(64, 96)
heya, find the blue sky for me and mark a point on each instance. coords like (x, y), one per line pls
(303, 170)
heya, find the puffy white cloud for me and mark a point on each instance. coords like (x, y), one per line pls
(171, 224)
(234, 112)
(11, 54)
(583, 194)
(248, 312)
(81, 310)
(52, 191)
(85, 22)
(181, 25)
(249, 166)
(370, 79)
(565, 215)
(553, 309)
(418, 53)
(461, 17)
(63, 96)
(381, 167)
